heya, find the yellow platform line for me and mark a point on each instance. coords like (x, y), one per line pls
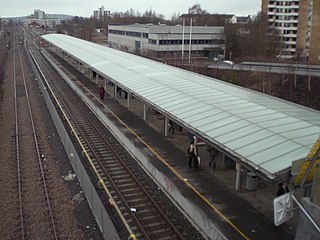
(168, 165)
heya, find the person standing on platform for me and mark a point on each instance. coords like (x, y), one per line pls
(101, 92)
(193, 155)
(283, 188)
(212, 157)
(171, 126)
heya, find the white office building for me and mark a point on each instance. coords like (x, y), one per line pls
(168, 41)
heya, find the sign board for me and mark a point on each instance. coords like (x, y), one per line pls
(282, 208)
(303, 169)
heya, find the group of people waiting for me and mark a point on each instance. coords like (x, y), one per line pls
(194, 159)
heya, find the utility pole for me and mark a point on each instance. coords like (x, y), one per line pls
(190, 40)
(182, 50)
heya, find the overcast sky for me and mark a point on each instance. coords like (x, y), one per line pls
(84, 8)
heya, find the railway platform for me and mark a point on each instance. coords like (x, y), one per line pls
(237, 214)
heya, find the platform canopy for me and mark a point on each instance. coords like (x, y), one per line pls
(262, 132)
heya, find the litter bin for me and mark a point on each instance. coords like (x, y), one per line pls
(252, 181)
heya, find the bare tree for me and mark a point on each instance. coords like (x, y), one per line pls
(196, 9)
(253, 40)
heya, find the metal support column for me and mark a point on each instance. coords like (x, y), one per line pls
(144, 112)
(238, 179)
(166, 121)
(114, 91)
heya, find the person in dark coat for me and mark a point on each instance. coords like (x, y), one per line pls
(283, 188)
(212, 157)
(101, 92)
(171, 126)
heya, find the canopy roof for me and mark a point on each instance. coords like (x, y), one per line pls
(261, 131)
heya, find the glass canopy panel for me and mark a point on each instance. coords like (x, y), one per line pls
(216, 124)
(290, 126)
(284, 162)
(232, 137)
(213, 115)
(308, 140)
(232, 115)
(190, 109)
(211, 119)
(171, 106)
(301, 132)
(255, 147)
(274, 152)
(203, 110)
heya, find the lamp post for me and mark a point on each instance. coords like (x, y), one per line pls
(182, 50)
(190, 40)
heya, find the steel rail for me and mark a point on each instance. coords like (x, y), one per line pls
(17, 139)
(73, 132)
(37, 147)
(95, 157)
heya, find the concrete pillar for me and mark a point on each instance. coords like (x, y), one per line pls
(309, 83)
(105, 83)
(114, 91)
(97, 78)
(238, 179)
(144, 112)
(88, 73)
(166, 122)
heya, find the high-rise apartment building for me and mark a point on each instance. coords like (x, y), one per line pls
(38, 14)
(299, 24)
(101, 13)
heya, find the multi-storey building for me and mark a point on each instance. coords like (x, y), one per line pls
(38, 14)
(162, 40)
(299, 24)
(101, 14)
(42, 20)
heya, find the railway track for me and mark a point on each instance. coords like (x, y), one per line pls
(118, 170)
(34, 220)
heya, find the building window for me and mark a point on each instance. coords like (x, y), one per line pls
(145, 35)
(152, 41)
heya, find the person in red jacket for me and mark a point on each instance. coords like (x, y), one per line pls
(101, 92)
